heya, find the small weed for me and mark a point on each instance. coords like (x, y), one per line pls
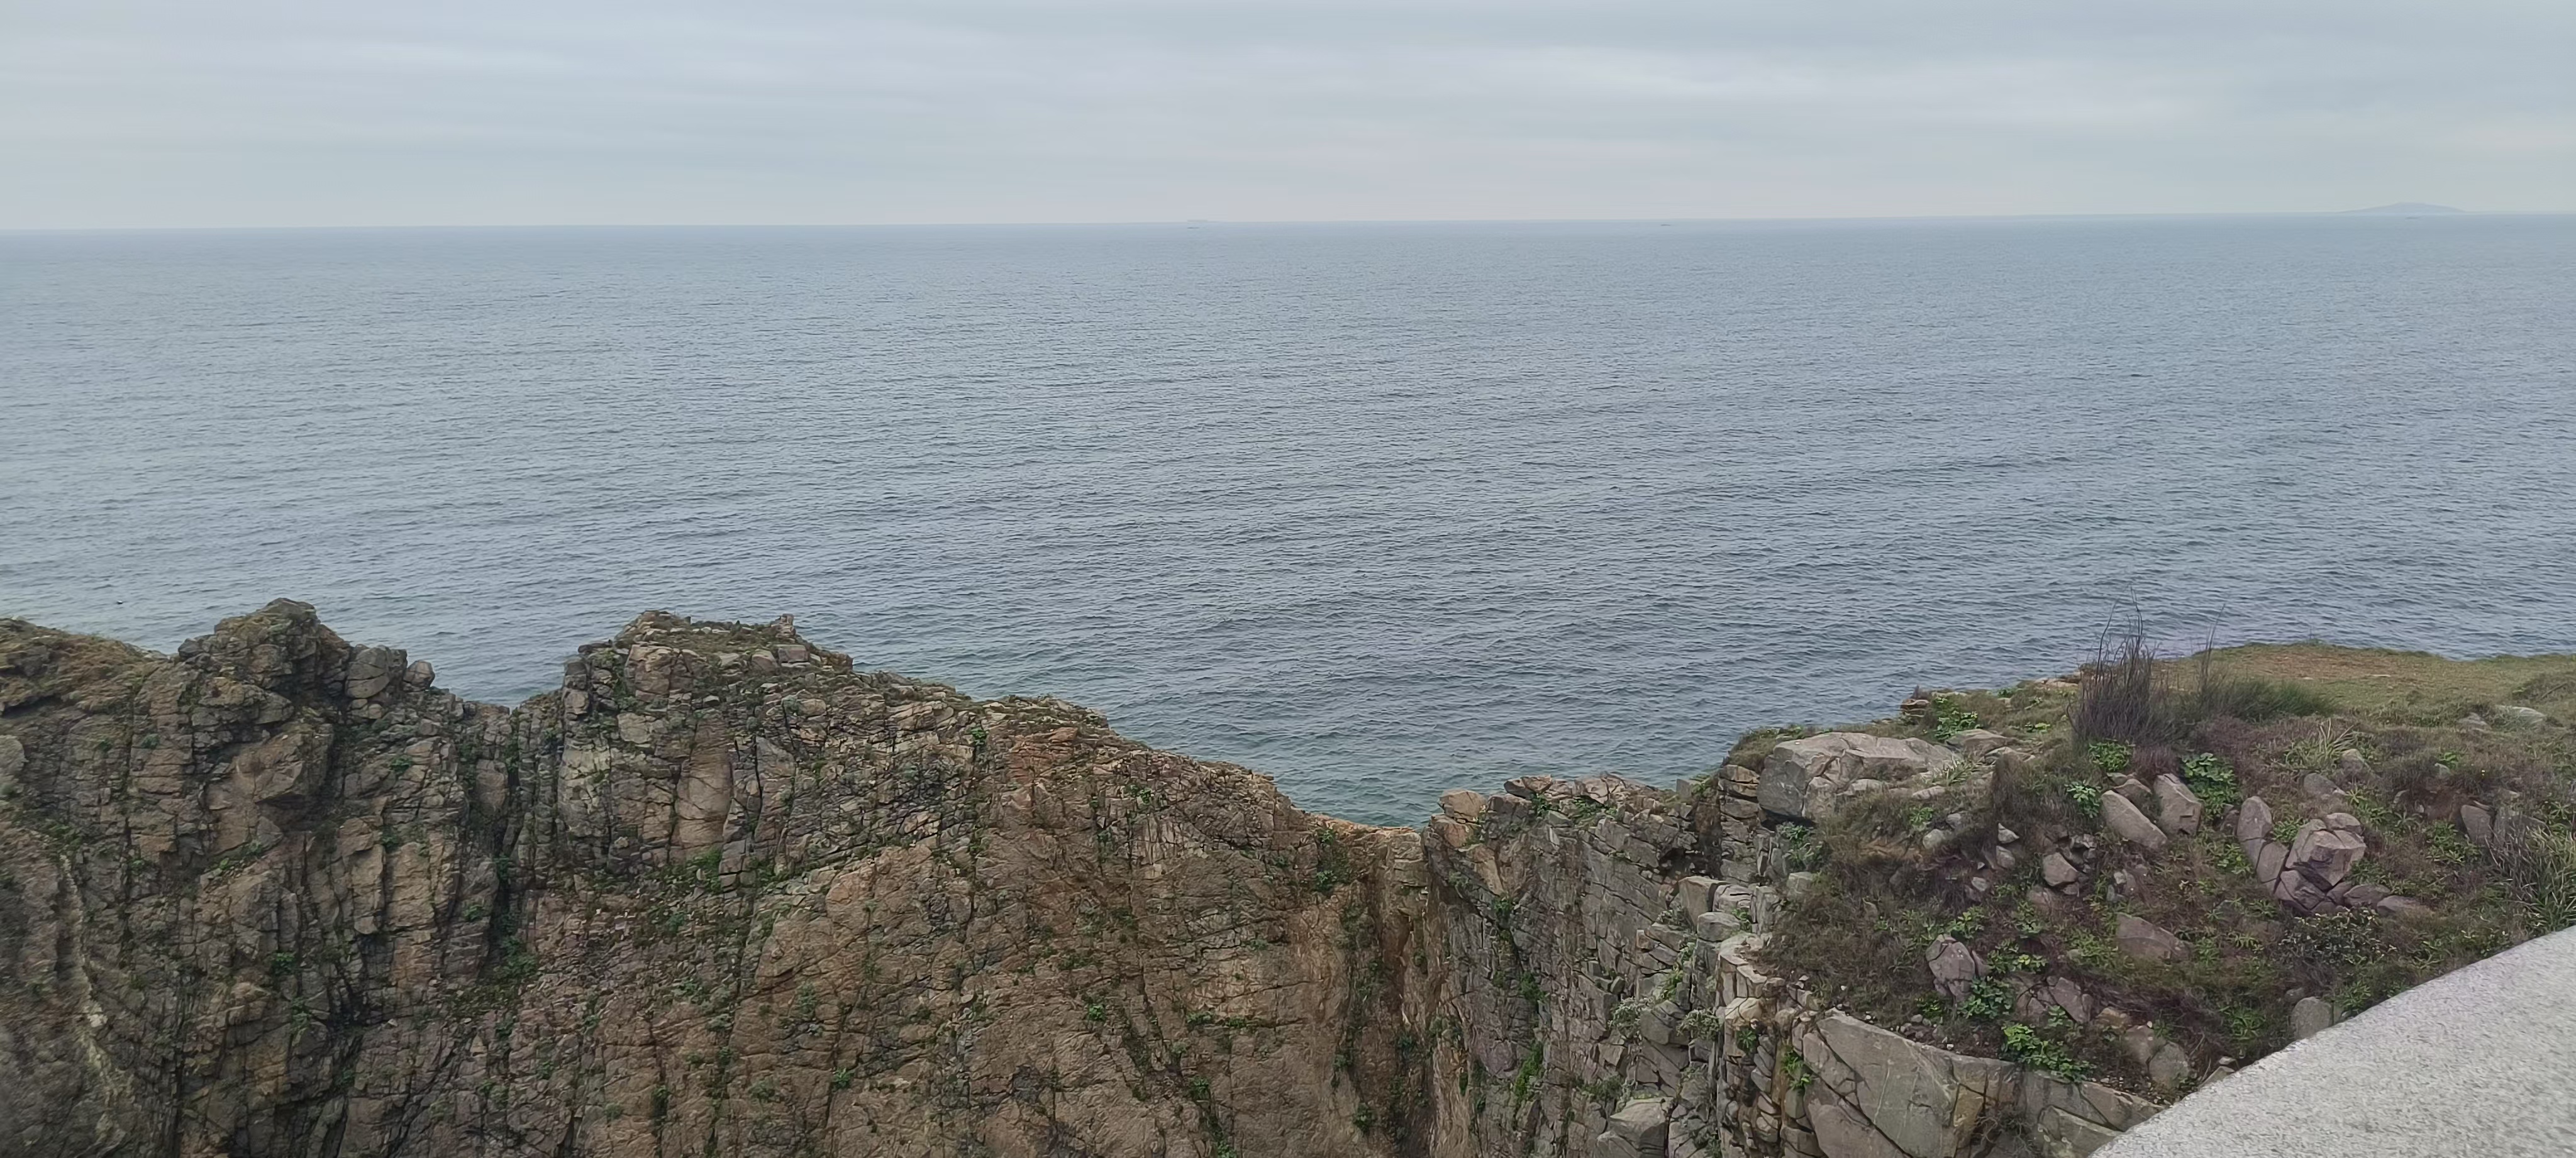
(1793, 1066)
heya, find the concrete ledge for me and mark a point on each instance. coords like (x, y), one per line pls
(2480, 1062)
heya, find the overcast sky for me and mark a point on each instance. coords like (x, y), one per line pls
(303, 112)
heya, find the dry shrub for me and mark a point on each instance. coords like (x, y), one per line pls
(2121, 696)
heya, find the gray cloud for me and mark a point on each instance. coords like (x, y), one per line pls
(171, 112)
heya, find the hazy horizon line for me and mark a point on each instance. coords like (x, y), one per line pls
(2439, 211)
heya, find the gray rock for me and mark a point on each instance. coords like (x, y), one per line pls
(2343, 822)
(2069, 996)
(2005, 835)
(2177, 806)
(1808, 778)
(2128, 788)
(2516, 715)
(1953, 966)
(371, 670)
(1718, 925)
(2361, 896)
(2057, 870)
(2169, 1068)
(419, 674)
(1696, 894)
(2001, 859)
(1842, 1132)
(1978, 743)
(2140, 937)
(1907, 1091)
(2268, 859)
(2139, 1042)
(2352, 762)
(2253, 823)
(2297, 891)
(2126, 822)
(1638, 1130)
(1798, 887)
(13, 758)
(2478, 823)
(2403, 907)
(2326, 855)
(2309, 1018)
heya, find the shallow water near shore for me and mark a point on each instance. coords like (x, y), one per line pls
(1378, 510)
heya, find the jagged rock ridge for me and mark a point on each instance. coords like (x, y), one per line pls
(723, 894)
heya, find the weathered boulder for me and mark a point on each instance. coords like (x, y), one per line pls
(1926, 1101)
(1808, 778)
(1637, 1130)
(2169, 1068)
(2057, 870)
(2177, 807)
(2477, 824)
(2326, 855)
(1953, 966)
(2310, 1017)
(2126, 822)
(2253, 824)
(2269, 856)
(1978, 743)
(2140, 937)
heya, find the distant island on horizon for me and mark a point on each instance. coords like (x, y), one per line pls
(2403, 208)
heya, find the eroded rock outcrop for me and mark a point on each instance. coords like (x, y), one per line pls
(723, 894)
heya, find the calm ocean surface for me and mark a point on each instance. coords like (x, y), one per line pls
(1379, 510)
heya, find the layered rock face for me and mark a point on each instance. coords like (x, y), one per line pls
(722, 894)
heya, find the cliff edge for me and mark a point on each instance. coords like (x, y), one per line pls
(722, 893)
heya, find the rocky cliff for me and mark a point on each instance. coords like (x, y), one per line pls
(721, 893)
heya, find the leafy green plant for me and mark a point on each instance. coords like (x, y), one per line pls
(2025, 1047)
(2087, 798)
(1987, 1000)
(2211, 779)
(1952, 720)
(2110, 756)
(1793, 1066)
